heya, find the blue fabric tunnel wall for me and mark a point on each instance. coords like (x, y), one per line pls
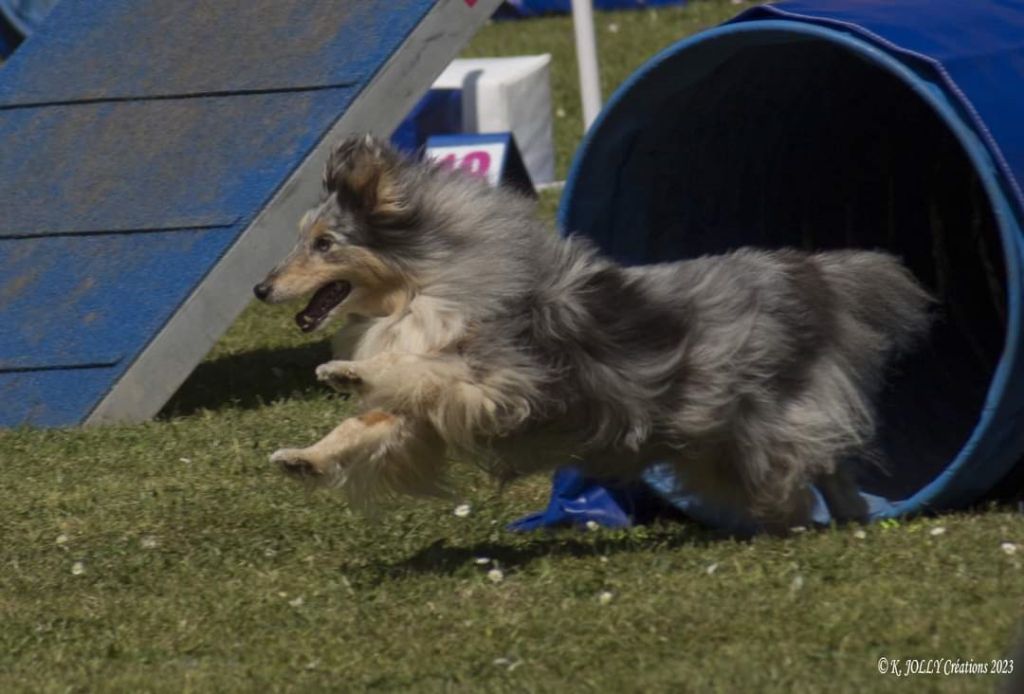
(869, 124)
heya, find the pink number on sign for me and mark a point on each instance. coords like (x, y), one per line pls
(470, 2)
(476, 163)
(448, 162)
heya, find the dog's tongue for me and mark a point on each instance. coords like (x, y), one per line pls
(326, 298)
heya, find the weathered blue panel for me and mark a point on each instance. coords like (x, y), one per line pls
(51, 398)
(139, 140)
(89, 49)
(154, 164)
(93, 300)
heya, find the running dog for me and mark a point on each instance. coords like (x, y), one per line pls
(473, 330)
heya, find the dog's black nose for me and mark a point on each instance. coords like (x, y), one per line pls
(262, 291)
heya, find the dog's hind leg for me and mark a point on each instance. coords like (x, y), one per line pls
(842, 495)
(373, 455)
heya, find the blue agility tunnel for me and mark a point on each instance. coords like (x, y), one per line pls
(829, 124)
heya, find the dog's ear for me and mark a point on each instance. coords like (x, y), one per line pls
(364, 173)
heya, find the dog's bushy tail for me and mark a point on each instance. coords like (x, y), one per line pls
(890, 309)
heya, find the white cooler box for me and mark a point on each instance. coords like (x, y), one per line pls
(491, 95)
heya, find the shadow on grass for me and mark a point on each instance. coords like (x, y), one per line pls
(442, 559)
(249, 379)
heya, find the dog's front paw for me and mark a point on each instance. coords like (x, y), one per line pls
(340, 375)
(295, 463)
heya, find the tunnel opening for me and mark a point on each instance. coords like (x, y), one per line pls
(792, 140)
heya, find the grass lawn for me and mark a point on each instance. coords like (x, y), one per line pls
(170, 556)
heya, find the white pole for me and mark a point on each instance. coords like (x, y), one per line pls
(586, 59)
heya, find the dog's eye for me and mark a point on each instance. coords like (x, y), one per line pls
(322, 244)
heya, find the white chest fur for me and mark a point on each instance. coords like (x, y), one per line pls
(426, 326)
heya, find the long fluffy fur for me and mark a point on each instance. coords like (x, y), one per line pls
(754, 372)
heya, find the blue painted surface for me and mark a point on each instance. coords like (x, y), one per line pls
(90, 299)
(52, 397)
(139, 140)
(73, 304)
(128, 49)
(836, 124)
(130, 165)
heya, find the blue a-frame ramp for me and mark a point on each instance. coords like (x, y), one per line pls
(155, 157)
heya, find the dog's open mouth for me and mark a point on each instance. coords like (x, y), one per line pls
(325, 299)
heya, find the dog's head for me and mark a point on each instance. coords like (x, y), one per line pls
(351, 246)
